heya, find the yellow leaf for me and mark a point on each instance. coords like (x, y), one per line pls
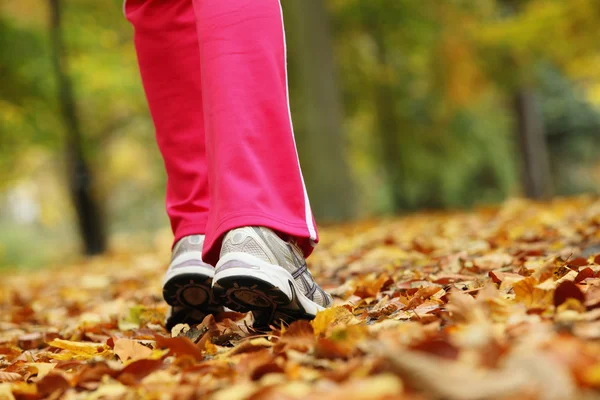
(42, 369)
(592, 375)
(527, 293)
(331, 317)
(110, 389)
(78, 350)
(6, 392)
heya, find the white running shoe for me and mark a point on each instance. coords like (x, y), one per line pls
(259, 272)
(187, 284)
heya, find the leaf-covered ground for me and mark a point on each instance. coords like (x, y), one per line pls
(497, 303)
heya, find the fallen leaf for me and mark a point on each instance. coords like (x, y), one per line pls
(567, 290)
(457, 382)
(10, 376)
(78, 350)
(127, 349)
(41, 369)
(6, 392)
(52, 385)
(180, 345)
(527, 293)
(138, 370)
(584, 274)
(330, 318)
(371, 286)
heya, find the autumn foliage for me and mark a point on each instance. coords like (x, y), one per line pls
(496, 303)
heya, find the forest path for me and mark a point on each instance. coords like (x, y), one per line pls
(494, 303)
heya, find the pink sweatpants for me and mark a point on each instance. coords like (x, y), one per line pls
(214, 73)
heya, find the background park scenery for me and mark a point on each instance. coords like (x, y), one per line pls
(397, 105)
(451, 152)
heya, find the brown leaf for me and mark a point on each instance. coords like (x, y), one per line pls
(421, 295)
(577, 262)
(299, 336)
(128, 349)
(438, 347)
(93, 373)
(299, 329)
(179, 346)
(30, 341)
(371, 286)
(326, 348)
(567, 290)
(53, 384)
(584, 274)
(248, 345)
(257, 364)
(137, 370)
(384, 308)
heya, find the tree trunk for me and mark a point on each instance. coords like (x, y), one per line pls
(536, 178)
(80, 179)
(388, 123)
(321, 142)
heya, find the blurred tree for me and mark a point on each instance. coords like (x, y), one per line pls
(80, 178)
(321, 139)
(432, 94)
(535, 159)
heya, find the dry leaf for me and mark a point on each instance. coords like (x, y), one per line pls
(457, 382)
(179, 346)
(527, 293)
(127, 349)
(78, 350)
(567, 290)
(41, 369)
(10, 376)
(330, 318)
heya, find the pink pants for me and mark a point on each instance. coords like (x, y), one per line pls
(214, 73)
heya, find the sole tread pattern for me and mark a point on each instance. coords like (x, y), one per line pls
(190, 294)
(268, 303)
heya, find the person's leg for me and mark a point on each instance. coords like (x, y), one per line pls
(254, 174)
(260, 226)
(166, 42)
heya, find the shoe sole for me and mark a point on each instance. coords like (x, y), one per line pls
(190, 287)
(245, 283)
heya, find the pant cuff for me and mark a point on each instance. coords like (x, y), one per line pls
(214, 238)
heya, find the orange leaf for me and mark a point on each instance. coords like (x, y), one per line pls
(179, 346)
(128, 349)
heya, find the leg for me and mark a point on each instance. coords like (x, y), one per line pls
(256, 183)
(167, 47)
(253, 165)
